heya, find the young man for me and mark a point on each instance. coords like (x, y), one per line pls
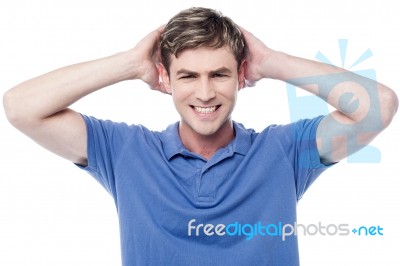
(206, 191)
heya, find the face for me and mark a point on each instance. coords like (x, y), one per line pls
(204, 83)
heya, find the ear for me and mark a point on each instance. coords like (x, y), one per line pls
(162, 71)
(241, 74)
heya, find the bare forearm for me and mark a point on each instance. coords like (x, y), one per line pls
(48, 94)
(331, 83)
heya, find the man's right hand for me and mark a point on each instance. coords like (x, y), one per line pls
(147, 58)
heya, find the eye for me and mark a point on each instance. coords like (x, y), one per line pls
(187, 77)
(219, 75)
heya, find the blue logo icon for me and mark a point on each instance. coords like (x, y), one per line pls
(301, 107)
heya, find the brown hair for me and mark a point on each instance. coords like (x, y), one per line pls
(198, 27)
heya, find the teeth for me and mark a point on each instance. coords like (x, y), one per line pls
(205, 110)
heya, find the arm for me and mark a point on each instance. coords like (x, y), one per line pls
(39, 107)
(345, 130)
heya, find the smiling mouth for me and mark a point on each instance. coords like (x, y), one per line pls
(206, 110)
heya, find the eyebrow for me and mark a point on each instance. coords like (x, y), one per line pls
(189, 72)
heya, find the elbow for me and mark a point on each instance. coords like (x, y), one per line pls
(13, 108)
(389, 104)
(8, 105)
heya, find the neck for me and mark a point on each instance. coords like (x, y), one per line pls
(207, 145)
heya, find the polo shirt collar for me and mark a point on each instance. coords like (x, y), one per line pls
(172, 144)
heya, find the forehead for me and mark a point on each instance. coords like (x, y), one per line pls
(203, 59)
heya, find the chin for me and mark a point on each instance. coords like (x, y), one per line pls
(205, 131)
(209, 129)
(202, 129)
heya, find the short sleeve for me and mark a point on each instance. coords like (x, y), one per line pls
(105, 142)
(298, 139)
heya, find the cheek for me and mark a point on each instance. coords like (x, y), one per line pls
(180, 94)
(229, 90)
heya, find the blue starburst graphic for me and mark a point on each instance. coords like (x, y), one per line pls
(343, 52)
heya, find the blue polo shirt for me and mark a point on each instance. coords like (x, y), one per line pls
(177, 208)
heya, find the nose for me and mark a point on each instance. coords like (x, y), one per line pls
(205, 91)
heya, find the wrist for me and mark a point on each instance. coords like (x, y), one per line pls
(126, 64)
(274, 65)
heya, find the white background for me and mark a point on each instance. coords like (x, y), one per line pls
(51, 213)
